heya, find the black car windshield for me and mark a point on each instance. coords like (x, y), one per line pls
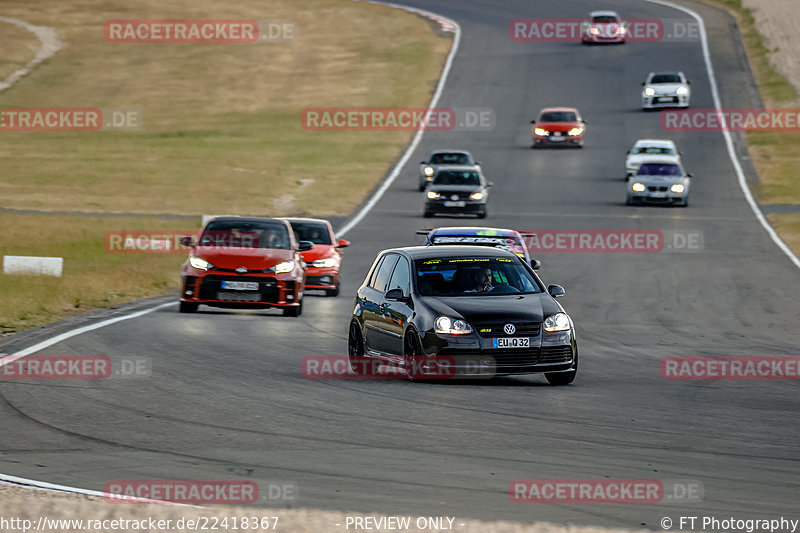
(657, 169)
(474, 276)
(666, 78)
(605, 19)
(315, 232)
(457, 177)
(660, 150)
(558, 116)
(245, 234)
(455, 158)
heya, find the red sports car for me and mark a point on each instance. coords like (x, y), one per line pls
(558, 126)
(325, 258)
(244, 262)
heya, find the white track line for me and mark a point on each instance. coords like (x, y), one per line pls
(50, 45)
(727, 134)
(447, 25)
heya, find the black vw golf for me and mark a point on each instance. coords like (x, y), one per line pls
(460, 311)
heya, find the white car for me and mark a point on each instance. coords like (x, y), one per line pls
(665, 89)
(646, 150)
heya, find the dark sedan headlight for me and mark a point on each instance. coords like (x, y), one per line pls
(428, 171)
(451, 326)
(433, 195)
(557, 322)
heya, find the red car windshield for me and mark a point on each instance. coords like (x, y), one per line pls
(558, 116)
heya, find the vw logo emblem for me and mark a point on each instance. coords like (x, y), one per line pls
(509, 329)
(454, 197)
(241, 270)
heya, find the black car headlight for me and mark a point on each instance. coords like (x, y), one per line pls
(451, 326)
(557, 322)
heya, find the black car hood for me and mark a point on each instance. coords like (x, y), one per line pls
(455, 188)
(513, 307)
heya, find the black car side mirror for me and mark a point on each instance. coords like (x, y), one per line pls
(396, 295)
(688, 174)
(489, 184)
(584, 121)
(478, 163)
(556, 291)
(643, 84)
(536, 264)
(533, 122)
(305, 245)
(186, 241)
(628, 152)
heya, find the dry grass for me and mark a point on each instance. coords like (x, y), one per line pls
(92, 277)
(221, 133)
(220, 120)
(18, 46)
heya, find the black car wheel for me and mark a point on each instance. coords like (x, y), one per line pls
(355, 351)
(482, 214)
(427, 214)
(563, 378)
(411, 354)
(188, 307)
(293, 311)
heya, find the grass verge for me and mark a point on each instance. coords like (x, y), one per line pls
(775, 154)
(221, 133)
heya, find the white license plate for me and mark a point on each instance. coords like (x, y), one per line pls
(557, 139)
(664, 99)
(240, 285)
(455, 204)
(658, 195)
(511, 342)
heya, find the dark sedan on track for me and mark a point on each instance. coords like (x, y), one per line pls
(460, 311)
(457, 190)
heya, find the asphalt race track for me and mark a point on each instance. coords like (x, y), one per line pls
(226, 399)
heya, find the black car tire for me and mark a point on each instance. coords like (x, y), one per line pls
(563, 378)
(427, 214)
(293, 311)
(422, 187)
(482, 214)
(188, 307)
(411, 349)
(332, 292)
(355, 351)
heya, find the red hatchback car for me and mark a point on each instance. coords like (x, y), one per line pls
(325, 258)
(244, 262)
(558, 126)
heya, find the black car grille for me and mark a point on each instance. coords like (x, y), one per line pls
(319, 280)
(512, 357)
(211, 289)
(495, 329)
(556, 354)
(653, 188)
(447, 196)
